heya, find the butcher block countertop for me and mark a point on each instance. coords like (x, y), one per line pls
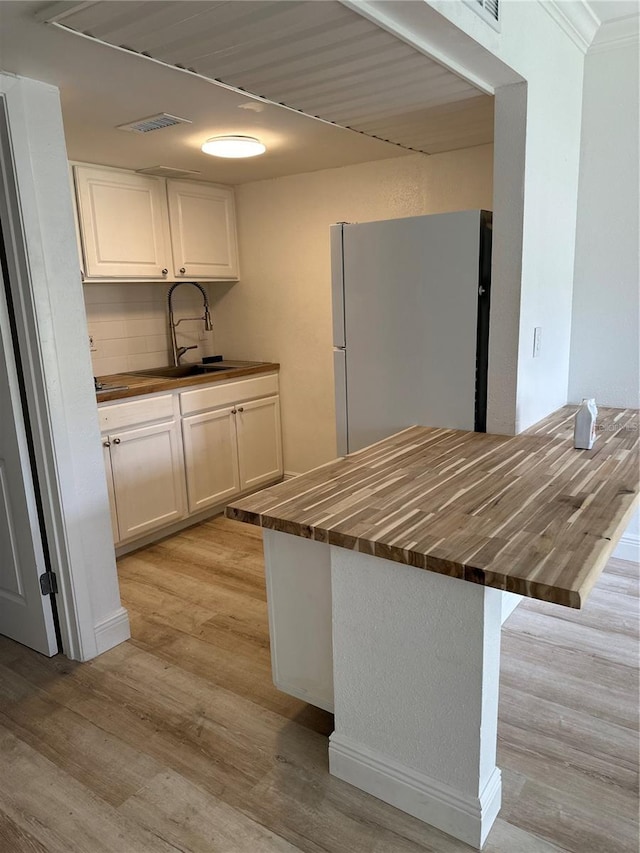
(118, 386)
(526, 513)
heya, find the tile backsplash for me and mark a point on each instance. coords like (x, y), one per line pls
(129, 326)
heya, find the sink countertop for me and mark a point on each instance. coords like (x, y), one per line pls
(138, 384)
(527, 513)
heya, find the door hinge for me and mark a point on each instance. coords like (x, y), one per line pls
(48, 583)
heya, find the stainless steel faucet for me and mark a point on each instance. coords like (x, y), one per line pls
(177, 351)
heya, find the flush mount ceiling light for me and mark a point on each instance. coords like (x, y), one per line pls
(233, 146)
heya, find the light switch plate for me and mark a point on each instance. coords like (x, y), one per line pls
(537, 341)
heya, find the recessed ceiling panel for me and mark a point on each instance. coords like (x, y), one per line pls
(320, 58)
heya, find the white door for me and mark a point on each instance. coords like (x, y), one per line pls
(259, 442)
(203, 230)
(211, 457)
(148, 478)
(25, 614)
(123, 223)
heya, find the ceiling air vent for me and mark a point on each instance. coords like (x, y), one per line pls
(491, 7)
(167, 172)
(489, 10)
(157, 122)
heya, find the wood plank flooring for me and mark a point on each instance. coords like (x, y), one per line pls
(178, 741)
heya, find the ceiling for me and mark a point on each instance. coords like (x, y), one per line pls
(613, 10)
(102, 88)
(318, 57)
(297, 52)
(615, 21)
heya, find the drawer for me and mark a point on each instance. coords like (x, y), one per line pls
(121, 415)
(223, 394)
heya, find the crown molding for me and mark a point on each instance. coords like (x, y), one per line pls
(621, 32)
(576, 19)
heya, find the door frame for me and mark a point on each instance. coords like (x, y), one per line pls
(32, 380)
(44, 283)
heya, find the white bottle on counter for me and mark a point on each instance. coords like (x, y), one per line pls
(584, 430)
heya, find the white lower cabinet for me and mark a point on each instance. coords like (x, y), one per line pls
(174, 455)
(259, 442)
(211, 457)
(232, 450)
(148, 478)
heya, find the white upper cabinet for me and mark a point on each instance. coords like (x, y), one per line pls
(123, 224)
(137, 227)
(203, 230)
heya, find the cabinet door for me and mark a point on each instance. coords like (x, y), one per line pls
(211, 458)
(106, 454)
(148, 478)
(259, 442)
(123, 223)
(203, 230)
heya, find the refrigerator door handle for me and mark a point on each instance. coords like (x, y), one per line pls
(337, 284)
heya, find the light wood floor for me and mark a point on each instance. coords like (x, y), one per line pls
(177, 740)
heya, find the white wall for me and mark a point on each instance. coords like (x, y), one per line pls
(72, 473)
(554, 97)
(605, 335)
(281, 308)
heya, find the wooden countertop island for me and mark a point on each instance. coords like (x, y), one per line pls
(390, 571)
(528, 514)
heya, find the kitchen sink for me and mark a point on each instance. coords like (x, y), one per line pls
(183, 370)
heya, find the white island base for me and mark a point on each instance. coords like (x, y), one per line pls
(409, 662)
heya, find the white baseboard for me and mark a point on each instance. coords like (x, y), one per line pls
(112, 631)
(465, 817)
(628, 548)
(289, 475)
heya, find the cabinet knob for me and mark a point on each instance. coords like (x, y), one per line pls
(182, 269)
(233, 411)
(165, 271)
(106, 444)
(116, 441)
(240, 409)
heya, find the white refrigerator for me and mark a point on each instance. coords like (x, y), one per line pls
(410, 324)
